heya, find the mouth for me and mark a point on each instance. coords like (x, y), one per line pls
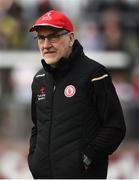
(50, 52)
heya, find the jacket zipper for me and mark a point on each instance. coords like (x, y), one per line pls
(49, 144)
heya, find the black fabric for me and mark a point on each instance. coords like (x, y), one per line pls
(90, 122)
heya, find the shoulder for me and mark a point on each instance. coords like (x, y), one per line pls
(38, 77)
(99, 74)
(93, 66)
(40, 73)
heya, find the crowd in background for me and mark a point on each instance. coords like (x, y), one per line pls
(100, 25)
(110, 25)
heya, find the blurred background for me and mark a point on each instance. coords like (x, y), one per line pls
(109, 32)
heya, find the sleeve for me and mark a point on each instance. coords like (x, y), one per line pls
(109, 112)
(34, 120)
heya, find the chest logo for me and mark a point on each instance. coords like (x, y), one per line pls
(69, 91)
(42, 93)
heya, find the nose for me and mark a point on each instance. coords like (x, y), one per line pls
(46, 43)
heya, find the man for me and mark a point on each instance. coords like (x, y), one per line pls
(77, 117)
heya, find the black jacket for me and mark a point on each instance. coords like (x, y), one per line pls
(75, 111)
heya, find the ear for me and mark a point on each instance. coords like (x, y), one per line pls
(72, 38)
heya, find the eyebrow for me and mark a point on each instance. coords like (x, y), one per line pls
(53, 34)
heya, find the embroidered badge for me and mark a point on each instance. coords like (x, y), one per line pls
(47, 17)
(42, 93)
(69, 91)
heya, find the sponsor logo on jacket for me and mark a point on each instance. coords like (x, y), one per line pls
(42, 93)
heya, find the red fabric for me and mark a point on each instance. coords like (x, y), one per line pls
(54, 19)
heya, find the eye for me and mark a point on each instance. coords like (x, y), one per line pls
(52, 37)
(41, 37)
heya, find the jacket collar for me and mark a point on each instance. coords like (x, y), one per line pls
(65, 63)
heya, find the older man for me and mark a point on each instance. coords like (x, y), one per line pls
(77, 118)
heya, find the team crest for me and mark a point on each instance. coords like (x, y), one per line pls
(69, 91)
(47, 17)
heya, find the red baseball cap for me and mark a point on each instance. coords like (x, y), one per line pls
(53, 19)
